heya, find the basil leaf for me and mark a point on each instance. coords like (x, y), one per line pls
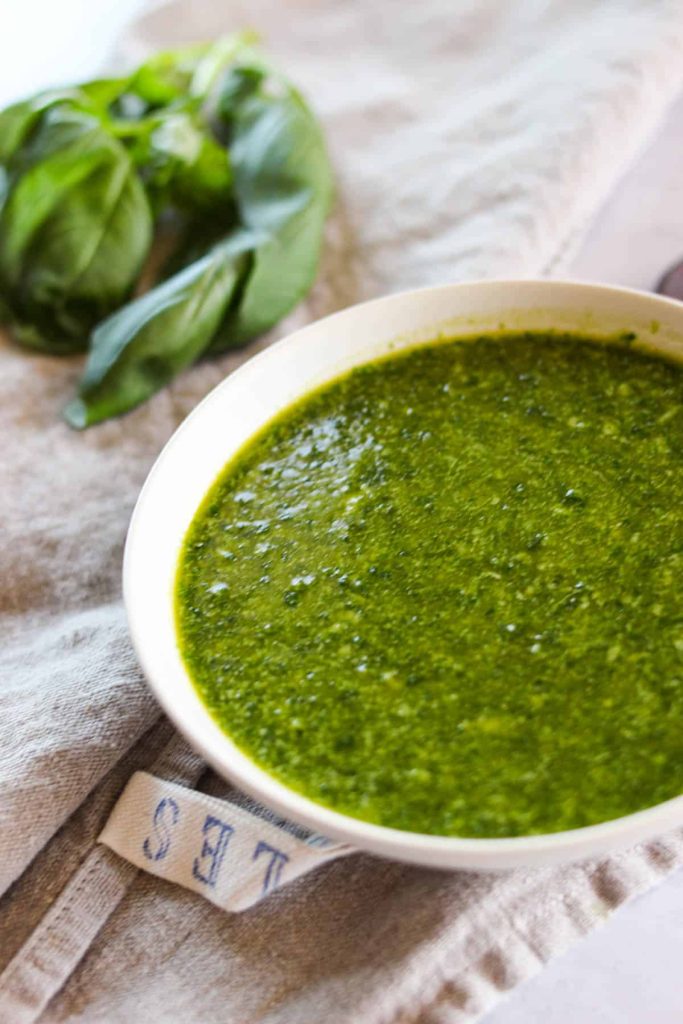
(283, 191)
(167, 76)
(75, 229)
(187, 71)
(102, 93)
(142, 347)
(18, 120)
(15, 124)
(182, 165)
(225, 153)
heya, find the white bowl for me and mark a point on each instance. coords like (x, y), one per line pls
(249, 398)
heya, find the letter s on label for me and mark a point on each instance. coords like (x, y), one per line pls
(166, 814)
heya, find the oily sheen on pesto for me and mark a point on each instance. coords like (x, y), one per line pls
(443, 593)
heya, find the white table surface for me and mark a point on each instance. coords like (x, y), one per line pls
(629, 971)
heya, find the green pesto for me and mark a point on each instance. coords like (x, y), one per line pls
(443, 593)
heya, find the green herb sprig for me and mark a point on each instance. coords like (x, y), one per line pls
(207, 144)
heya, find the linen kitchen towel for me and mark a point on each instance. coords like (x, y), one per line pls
(469, 139)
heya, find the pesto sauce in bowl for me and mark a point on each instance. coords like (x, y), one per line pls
(442, 593)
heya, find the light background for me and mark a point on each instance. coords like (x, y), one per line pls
(631, 970)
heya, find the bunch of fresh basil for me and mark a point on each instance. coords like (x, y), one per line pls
(207, 146)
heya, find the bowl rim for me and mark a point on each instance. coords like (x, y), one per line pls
(236, 766)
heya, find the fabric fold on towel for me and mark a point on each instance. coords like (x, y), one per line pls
(474, 140)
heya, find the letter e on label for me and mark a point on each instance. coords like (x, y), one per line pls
(207, 865)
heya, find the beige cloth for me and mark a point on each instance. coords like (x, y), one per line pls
(469, 139)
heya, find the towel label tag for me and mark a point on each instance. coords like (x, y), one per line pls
(230, 855)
